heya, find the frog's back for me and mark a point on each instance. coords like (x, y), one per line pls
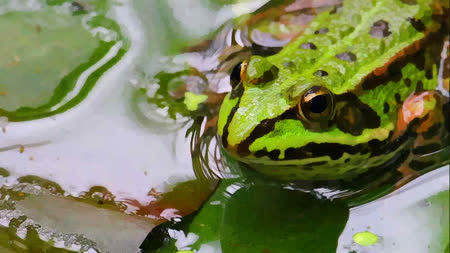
(358, 39)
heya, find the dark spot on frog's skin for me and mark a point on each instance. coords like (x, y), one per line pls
(417, 24)
(386, 108)
(427, 149)
(408, 82)
(347, 160)
(289, 64)
(429, 74)
(419, 86)
(398, 99)
(322, 31)
(321, 73)
(432, 131)
(395, 73)
(347, 56)
(308, 46)
(273, 155)
(308, 168)
(420, 165)
(380, 29)
(409, 2)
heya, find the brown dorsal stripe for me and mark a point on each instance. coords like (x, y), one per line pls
(413, 53)
(407, 82)
(391, 71)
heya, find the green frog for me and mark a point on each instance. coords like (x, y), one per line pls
(339, 91)
(361, 88)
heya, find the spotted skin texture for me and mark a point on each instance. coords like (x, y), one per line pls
(363, 47)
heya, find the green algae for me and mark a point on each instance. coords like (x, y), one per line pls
(192, 100)
(4, 172)
(365, 238)
(10, 242)
(9, 239)
(42, 182)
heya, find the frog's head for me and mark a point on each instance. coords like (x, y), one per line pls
(292, 127)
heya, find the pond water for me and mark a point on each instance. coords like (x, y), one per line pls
(94, 154)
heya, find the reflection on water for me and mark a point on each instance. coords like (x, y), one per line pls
(140, 147)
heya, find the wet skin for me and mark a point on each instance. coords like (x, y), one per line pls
(362, 84)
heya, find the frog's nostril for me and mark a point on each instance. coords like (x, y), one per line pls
(270, 75)
(260, 71)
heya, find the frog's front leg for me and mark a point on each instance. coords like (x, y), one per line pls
(422, 114)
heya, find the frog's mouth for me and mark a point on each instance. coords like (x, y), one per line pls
(323, 155)
(311, 151)
(327, 161)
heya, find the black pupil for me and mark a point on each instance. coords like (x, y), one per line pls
(318, 104)
(235, 77)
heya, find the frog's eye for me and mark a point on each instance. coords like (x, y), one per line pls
(237, 73)
(317, 105)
